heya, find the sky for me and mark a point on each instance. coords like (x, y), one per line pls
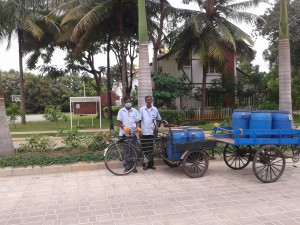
(9, 58)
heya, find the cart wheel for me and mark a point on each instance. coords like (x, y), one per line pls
(195, 163)
(237, 157)
(268, 163)
(120, 158)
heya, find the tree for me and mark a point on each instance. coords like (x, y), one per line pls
(168, 88)
(211, 35)
(270, 31)
(285, 95)
(20, 17)
(53, 113)
(13, 111)
(144, 74)
(7, 147)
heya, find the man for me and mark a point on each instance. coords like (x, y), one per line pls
(129, 121)
(149, 115)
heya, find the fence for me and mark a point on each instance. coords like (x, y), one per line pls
(209, 113)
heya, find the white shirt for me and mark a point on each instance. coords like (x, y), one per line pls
(147, 117)
(128, 118)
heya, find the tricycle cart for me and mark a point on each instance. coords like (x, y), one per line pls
(187, 146)
(265, 147)
(173, 146)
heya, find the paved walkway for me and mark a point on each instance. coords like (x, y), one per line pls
(162, 197)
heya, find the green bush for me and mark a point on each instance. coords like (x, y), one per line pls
(53, 113)
(12, 112)
(115, 110)
(75, 139)
(101, 140)
(173, 116)
(36, 143)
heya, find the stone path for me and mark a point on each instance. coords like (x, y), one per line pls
(162, 197)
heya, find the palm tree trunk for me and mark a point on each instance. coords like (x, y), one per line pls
(144, 74)
(7, 147)
(285, 97)
(22, 94)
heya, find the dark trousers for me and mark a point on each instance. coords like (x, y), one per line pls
(147, 147)
(128, 154)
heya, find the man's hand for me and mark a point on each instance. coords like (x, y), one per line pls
(139, 129)
(126, 130)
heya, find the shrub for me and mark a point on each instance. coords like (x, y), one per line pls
(12, 112)
(115, 110)
(173, 116)
(36, 143)
(75, 139)
(101, 140)
(53, 113)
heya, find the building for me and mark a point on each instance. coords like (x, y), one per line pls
(194, 70)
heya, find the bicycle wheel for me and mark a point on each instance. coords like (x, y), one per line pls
(268, 163)
(120, 158)
(195, 163)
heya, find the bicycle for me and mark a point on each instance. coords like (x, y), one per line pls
(122, 156)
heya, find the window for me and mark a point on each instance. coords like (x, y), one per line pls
(211, 68)
(214, 99)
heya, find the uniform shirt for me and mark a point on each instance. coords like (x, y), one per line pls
(147, 117)
(129, 119)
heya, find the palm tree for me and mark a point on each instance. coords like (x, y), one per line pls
(211, 35)
(285, 99)
(20, 17)
(7, 147)
(99, 18)
(144, 78)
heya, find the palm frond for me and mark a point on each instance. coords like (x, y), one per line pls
(32, 28)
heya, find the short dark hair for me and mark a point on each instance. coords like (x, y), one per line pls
(148, 96)
(126, 98)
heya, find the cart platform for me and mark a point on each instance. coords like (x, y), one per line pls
(256, 136)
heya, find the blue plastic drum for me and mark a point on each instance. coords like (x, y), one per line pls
(240, 119)
(195, 134)
(178, 136)
(261, 119)
(281, 120)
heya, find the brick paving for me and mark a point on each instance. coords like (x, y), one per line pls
(162, 197)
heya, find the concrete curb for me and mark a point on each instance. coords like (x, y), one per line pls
(62, 168)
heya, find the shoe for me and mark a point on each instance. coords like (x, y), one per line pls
(145, 167)
(152, 168)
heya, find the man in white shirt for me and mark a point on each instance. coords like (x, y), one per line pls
(149, 115)
(129, 121)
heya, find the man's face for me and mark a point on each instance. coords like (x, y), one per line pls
(148, 101)
(127, 101)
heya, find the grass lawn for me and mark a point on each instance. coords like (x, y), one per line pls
(84, 122)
